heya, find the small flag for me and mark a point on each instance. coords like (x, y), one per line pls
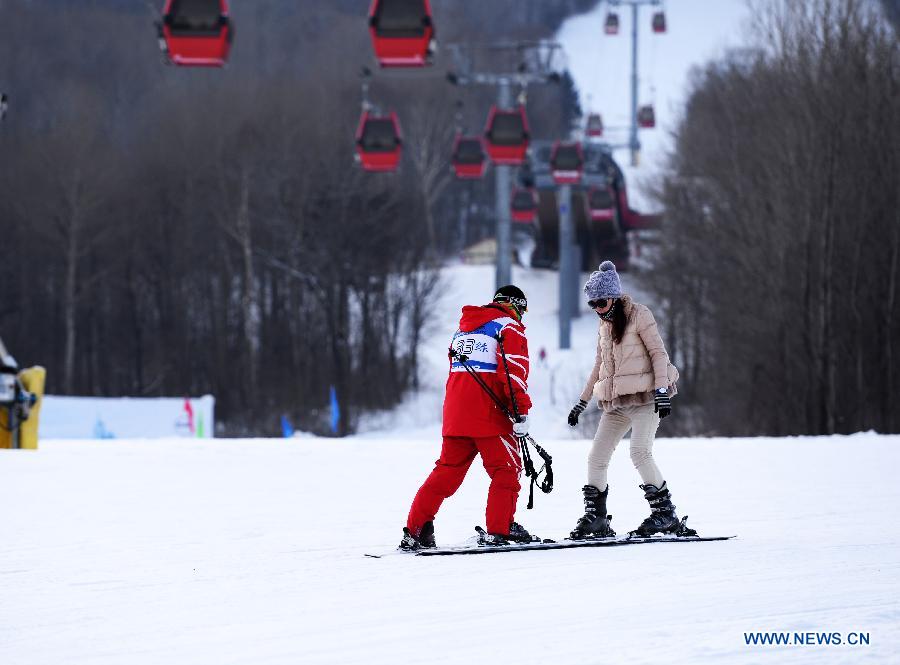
(335, 411)
(286, 428)
(189, 410)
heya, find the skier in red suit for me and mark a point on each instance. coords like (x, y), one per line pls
(474, 424)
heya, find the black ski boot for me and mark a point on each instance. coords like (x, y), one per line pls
(595, 522)
(662, 514)
(492, 539)
(426, 535)
(424, 540)
(517, 534)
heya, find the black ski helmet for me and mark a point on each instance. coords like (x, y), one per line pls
(512, 295)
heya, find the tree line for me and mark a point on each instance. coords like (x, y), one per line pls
(780, 262)
(168, 231)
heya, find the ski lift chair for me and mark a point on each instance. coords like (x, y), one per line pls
(659, 22)
(601, 206)
(567, 163)
(594, 125)
(611, 25)
(402, 32)
(378, 142)
(523, 205)
(506, 134)
(646, 117)
(196, 33)
(469, 159)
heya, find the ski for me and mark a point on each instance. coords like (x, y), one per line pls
(475, 548)
(565, 544)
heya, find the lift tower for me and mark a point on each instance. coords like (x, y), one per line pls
(505, 65)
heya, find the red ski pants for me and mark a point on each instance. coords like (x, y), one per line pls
(500, 456)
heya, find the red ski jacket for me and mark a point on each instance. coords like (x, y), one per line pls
(468, 410)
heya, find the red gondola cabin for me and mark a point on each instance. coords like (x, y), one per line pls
(659, 22)
(469, 159)
(378, 142)
(646, 118)
(601, 206)
(402, 32)
(611, 25)
(594, 125)
(506, 135)
(523, 205)
(566, 163)
(196, 33)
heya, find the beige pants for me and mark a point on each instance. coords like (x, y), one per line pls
(614, 423)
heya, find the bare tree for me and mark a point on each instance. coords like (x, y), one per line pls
(781, 200)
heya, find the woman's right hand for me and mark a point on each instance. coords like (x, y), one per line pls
(576, 411)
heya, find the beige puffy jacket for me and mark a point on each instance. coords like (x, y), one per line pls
(626, 374)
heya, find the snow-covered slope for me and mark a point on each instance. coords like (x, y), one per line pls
(221, 552)
(697, 30)
(195, 552)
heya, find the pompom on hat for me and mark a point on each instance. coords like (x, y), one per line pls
(603, 283)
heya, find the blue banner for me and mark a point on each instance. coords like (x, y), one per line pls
(335, 411)
(286, 428)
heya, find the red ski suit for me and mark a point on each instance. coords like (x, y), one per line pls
(474, 424)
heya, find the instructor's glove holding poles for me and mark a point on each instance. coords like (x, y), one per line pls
(576, 411)
(662, 403)
(520, 428)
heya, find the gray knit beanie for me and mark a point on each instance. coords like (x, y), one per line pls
(603, 283)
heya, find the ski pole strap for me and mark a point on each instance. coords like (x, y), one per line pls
(464, 360)
(547, 484)
(527, 464)
(512, 395)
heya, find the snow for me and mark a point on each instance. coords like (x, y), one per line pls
(251, 551)
(65, 417)
(190, 551)
(697, 31)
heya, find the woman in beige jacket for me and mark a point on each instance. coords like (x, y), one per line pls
(633, 382)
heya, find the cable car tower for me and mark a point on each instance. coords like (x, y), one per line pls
(505, 66)
(658, 23)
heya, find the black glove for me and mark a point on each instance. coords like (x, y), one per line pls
(576, 411)
(661, 402)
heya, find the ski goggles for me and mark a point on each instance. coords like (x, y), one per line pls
(521, 304)
(599, 302)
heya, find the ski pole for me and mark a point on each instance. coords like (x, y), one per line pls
(547, 484)
(512, 395)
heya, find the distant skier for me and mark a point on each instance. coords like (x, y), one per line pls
(633, 382)
(473, 424)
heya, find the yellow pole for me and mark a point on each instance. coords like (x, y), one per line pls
(33, 380)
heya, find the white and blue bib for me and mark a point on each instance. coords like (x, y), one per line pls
(480, 345)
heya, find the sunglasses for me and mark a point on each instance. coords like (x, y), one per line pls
(600, 302)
